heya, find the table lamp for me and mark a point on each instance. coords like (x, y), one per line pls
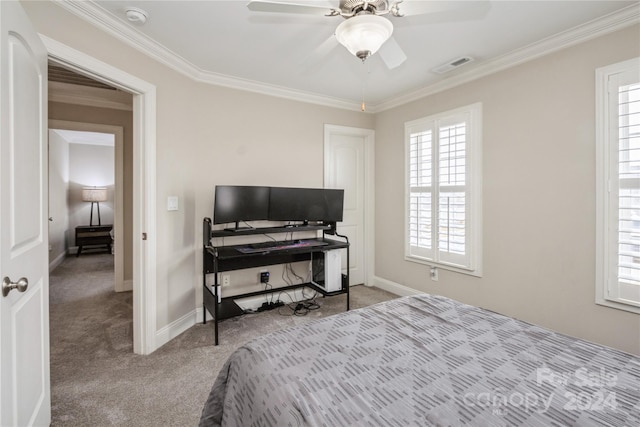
(95, 195)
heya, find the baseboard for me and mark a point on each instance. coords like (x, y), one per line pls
(393, 287)
(56, 262)
(175, 328)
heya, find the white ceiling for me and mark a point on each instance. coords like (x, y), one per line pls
(296, 56)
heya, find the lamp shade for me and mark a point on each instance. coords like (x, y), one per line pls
(363, 35)
(94, 194)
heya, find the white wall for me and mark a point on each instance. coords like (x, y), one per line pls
(58, 187)
(538, 196)
(90, 166)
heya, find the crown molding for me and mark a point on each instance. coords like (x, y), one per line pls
(107, 22)
(277, 91)
(590, 30)
(104, 20)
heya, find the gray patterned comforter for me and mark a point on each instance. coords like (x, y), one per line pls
(424, 360)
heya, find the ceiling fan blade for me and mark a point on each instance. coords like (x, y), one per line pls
(421, 7)
(318, 57)
(392, 54)
(282, 7)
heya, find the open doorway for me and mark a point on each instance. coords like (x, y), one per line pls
(90, 134)
(87, 111)
(142, 174)
(81, 183)
(82, 157)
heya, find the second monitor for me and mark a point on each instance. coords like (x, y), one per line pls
(305, 204)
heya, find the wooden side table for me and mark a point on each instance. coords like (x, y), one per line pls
(93, 235)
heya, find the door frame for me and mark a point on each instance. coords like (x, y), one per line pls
(369, 188)
(118, 223)
(144, 174)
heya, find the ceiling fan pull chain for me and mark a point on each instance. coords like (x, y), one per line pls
(365, 67)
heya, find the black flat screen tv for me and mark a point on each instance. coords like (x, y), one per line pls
(305, 204)
(238, 203)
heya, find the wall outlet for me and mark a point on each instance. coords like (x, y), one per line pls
(264, 276)
(226, 280)
(434, 274)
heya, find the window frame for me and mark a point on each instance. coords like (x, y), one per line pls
(472, 264)
(606, 191)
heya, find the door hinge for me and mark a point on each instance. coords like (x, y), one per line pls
(144, 236)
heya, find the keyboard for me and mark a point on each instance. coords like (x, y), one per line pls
(279, 246)
(273, 244)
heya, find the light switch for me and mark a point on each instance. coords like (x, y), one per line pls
(172, 203)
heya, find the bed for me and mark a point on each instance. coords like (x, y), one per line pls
(423, 360)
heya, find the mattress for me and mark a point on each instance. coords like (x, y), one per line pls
(424, 360)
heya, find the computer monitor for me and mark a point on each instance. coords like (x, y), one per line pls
(238, 203)
(305, 204)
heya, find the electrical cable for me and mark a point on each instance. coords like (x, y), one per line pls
(292, 271)
(285, 278)
(267, 286)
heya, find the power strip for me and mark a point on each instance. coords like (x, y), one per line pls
(266, 306)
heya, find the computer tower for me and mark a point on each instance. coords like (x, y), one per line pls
(326, 269)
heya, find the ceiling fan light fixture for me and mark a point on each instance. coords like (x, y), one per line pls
(363, 35)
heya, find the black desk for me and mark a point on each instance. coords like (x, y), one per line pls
(217, 259)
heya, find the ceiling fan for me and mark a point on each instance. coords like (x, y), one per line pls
(365, 28)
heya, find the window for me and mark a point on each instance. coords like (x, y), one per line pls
(443, 200)
(618, 186)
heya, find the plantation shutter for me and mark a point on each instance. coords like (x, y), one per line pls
(438, 199)
(624, 194)
(452, 189)
(421, 192)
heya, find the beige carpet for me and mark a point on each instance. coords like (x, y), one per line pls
(96, 380)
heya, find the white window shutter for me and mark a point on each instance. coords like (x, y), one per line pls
(421, 192)
(443, 190)
(618, 190)
(625, 102)
(452, 201)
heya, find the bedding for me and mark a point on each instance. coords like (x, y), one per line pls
(423, 360)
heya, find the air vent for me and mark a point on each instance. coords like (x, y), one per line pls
(452, 65)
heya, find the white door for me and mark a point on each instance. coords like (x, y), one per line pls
(348, 164)
(25, 396)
